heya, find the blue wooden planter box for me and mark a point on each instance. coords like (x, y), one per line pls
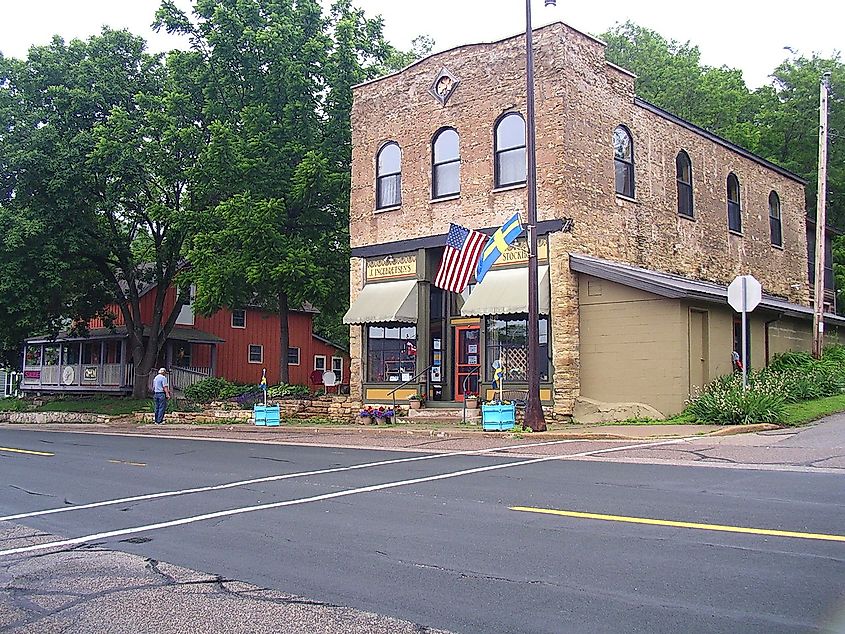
(268, 415)
(498, 417)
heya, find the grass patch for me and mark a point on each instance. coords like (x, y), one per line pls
(110, 406)
(13, 405)
(808, 411)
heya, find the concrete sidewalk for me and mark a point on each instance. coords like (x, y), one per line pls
(389, 434)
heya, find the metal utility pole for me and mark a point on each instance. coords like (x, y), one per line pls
(534, 417)
(821, 222)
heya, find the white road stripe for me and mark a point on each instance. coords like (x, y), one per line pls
(317, 498)
(274, 478)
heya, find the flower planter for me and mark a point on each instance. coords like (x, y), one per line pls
(472, 403)
(383, 420)
(414, 404)
(268, 415)
(495, 417)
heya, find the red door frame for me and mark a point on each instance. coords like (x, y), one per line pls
(459, 376)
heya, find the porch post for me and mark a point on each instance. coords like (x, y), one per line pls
(213, 360)
(123, 363)
(59, 383)
(100, 369)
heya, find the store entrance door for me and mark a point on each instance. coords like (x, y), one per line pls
(467, 358)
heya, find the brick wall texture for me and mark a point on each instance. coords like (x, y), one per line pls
(580, 100)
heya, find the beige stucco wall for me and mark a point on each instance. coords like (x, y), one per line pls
(633, 346)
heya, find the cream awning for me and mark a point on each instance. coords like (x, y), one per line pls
(505, 291)
(385, 301)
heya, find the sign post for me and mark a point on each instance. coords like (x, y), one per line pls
(744, 294)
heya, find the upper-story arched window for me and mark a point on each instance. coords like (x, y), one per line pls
(445, 164)
(510, 167)
(623, 161)
(389, 176)
(775, 228)
(734, 209)
(683, 174)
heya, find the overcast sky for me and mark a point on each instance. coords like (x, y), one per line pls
(746, 34)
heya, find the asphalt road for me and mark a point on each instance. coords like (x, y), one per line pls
(434, 539)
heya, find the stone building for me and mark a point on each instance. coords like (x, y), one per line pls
(643, 221)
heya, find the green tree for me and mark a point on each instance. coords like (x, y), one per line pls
(276, 77)
(671, 76)
(99, 153)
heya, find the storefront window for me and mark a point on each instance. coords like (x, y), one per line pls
(391, 353)
(507, 340)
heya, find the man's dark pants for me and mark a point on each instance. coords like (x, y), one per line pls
(160, 400)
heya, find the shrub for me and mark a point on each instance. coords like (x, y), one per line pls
(284, 390)
(790, 377)
(725, 402)
(214, 388)
(13, 405)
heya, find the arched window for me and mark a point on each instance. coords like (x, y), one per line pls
(734, 210)
(510, 165)
(775, 229)
(445, 164)
(683, 174)
(623, 161)
(389, 176)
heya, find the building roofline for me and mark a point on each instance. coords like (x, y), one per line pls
(642, 103)
(472, 44)
(329, 343)
(620, 68)
(679, 287)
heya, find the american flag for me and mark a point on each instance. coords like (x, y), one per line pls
(463, 247)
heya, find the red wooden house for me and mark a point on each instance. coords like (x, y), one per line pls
(235, 345)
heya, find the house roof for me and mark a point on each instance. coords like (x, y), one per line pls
(329, 343)
(677, 287)
(179, 333)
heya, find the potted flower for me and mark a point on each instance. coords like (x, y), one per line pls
(415, 401)
(368, 413)
(384, 416)
(471, 399)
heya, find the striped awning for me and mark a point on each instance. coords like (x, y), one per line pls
(505, 292)
(385, 301)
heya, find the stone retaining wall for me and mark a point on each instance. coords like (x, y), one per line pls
(38, 418)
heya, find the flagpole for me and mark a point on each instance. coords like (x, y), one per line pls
(534, 417)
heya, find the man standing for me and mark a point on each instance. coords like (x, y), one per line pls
(161, 392)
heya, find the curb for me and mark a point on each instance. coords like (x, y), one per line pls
(216, 431)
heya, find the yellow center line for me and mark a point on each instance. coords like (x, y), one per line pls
(134, 464)
(672, 523)
(28, 452)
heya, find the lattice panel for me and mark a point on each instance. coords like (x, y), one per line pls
(516, 363)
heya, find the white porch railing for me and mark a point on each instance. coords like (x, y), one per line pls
(10, 381)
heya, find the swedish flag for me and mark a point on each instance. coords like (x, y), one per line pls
(498, 244)
(263, 384)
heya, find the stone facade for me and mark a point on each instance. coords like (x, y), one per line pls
(580, 100)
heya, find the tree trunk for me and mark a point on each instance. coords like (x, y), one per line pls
(144, 360)
(284, 338)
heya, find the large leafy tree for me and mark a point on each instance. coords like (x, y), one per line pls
(99, 154)
(276, 78)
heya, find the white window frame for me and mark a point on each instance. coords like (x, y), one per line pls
(232, 321)
(298, 355)
(249, 352)
(338, 371)
(323, 357)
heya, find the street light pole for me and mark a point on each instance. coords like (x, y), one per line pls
(534, 417)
